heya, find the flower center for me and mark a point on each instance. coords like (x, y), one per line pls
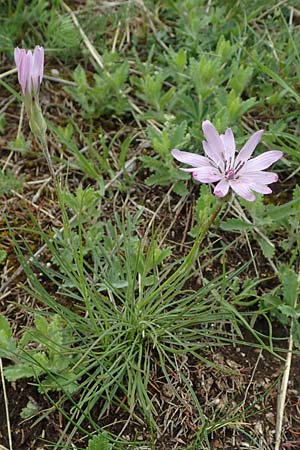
(230, 174)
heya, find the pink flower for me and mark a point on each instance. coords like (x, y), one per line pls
(30, 68)
(222, 166)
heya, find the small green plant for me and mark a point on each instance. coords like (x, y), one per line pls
(61, 34)
(9, 181)
(30, 410)
(163, 169)
(104, 96)
(100, 442)
(266, 219)
(40, 354)
(282, 303)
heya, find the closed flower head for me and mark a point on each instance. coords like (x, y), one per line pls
(30, 67)
(222, 166)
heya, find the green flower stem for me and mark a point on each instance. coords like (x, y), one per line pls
(44, 146)
(188, 263)
(38, 126)
(190, 259)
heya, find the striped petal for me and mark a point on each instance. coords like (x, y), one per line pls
(18, 53)
(37, 67)
(229, 144)
(260, 177)
(262, 161)
(24, 71)
(260, 188)
(214, 147)
(207, 175)
(192, 159)
(257, 186)
(242, 189)
(248, 148)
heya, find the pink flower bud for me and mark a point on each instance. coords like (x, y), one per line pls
(30, 68)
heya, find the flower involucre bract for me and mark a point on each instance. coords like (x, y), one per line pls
(221, 165)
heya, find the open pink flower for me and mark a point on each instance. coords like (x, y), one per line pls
(222, 166)
(30, 68)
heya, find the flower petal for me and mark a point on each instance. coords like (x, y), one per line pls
(37, 67)
(242, 189)
(222, 188)
(259, 176)
(257, 186)
(262, 161)
(193, 159)
(207, 175)
(261, 188)
(18, 52)
(229, 145)
(211, 154)
(248, 148)
(24, 71)
(214, 148)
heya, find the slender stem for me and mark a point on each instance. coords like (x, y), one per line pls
(44, 145)
(189, 260)
(187, 264)
(21, 120)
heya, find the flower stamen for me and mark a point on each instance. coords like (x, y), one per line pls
(230, 174)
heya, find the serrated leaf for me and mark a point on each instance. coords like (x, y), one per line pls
(236, 225)
(8, 347)
(267, 248)
(150, 163)
(180, 188)
(79, 77)
(167, 97)
(99, 442)
(178, 135)
(271, 300)
(158, 178)
(181, 59)
(289, 311)
(5, 327)
(280, 212)
(289, 280)
(66, 383)
(27, 370)
(204, 208)
(246, 105)
(41, 324)
(29, 410)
